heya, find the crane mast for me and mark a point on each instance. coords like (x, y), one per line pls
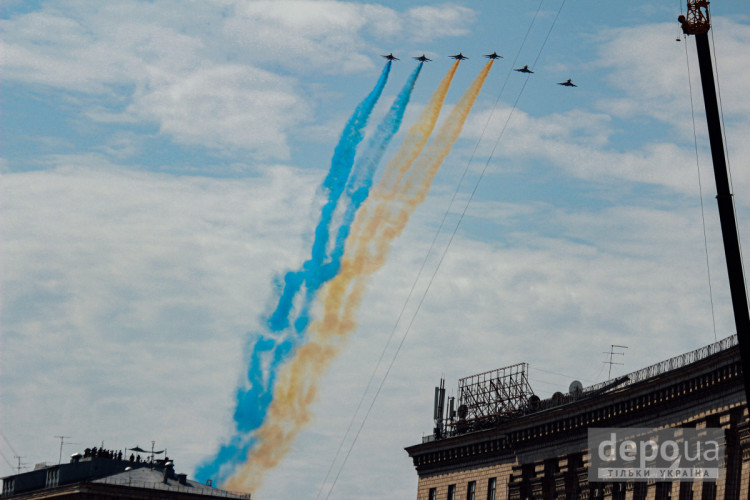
(697, 22)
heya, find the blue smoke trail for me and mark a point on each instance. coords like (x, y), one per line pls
(334, 183)
(360, 181)
(269, 351)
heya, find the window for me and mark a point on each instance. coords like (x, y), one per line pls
(619, 490)
(663, 491)
(433, 494)
(471, 490)
(491, 487)
(640, 490)
(452, 492)
(53, 477)
(9, 486)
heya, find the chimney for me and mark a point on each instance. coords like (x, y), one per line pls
(168, 471)
(182, 478)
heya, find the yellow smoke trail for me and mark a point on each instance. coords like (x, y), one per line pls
(403, 159)
(417, 136)
(389, 211)
(297, 382)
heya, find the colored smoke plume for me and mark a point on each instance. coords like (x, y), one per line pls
(400, 191)
(417, 136)
(384, 217)
(312, 273)
(360, 181)
(286, 325)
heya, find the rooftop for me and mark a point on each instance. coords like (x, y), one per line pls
(101, 468)
(483, 399)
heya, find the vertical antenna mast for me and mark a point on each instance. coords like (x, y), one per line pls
(61, 438)
(439, 408)
(19, 462)
(611, 353)
(697, 22)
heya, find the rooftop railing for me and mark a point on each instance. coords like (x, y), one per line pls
(208, 490)
(668, 365)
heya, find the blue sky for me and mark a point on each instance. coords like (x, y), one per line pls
(160, 162)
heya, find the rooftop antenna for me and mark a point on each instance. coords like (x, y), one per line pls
(611, 353)
(439, 408)
(155, 453)
(62, 439)
(20, 465)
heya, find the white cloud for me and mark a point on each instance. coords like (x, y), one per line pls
(581, 143)
(330, 36)
(430, 22)
(164, 73)
(227, 105)
(307, 36)
(651, 70)
(647, 70)
(213, 74)
(89, 50)
(127, 296)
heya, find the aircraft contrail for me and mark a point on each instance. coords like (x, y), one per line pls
(275, 345)
(298, 380)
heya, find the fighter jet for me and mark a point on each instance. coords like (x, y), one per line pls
(567, 83)
(459, 57)
(494, 55)
(391, 57)
(422, 58)
(525, 69)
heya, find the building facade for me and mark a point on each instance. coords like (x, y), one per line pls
(101, 475)
(539, 450)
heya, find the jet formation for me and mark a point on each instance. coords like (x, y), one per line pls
(460, 57)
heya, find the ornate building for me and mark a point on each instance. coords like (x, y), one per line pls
(515, 446)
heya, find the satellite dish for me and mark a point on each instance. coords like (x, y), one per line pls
(463, 410)
(576, 387)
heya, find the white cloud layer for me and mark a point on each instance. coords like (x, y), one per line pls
(651, 80)
(129, 293)
(207, 73)
(657, 85)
